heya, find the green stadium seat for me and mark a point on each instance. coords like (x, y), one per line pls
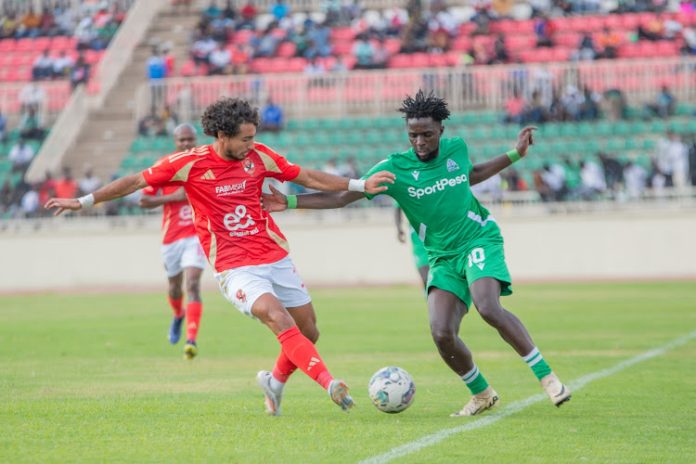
(684, 109)
(140, 144)
(649, 144)
(551, 130)
(604, 128)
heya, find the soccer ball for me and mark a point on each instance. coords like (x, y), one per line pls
(391, 389)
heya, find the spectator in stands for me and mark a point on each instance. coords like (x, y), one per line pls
(169, 119)
(479, 53)
(589, 110)
(280, 10)
(32, 95)
(586, 50)
(248, 16)
(213, 11)
(42, 67)
(89, 183)
(635, 179)
(679, 159)
(592, 180)
(151, 125)
(229, 12)
(442, 27)
(30, 126)
(613, 171)
(318, 41)
(380, 59)
(79, 74)
(349, 168)
(47, 189)
(30, 26)
(156, 72)
(202, 48)
(271, 116)
(514, 108)
(500, 53)
(513, 181)
(339, 65)
(66, 187)
(544, 30)
(220, 61)
(614, 104)
(689, 35)
(415, 34)
(21, 155)
(265, 43)
(609, 42)
(536, 112)
(3, 127)
(654, 30)
(315, 69)
(553, 176)
(62, 65)
(30, 203)
(491, 188)
(664, 104)
(363, 51)
(9, 26)
(6, 196)
(241, 59)
(85, 33)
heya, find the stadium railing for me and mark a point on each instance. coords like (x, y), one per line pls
(465, 88)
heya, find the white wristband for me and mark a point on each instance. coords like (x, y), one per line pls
(87, 201)
(356, 185)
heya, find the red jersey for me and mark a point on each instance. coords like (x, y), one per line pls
(177, 216)
(225, 195)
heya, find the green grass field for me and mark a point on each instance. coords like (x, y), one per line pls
(91, 378)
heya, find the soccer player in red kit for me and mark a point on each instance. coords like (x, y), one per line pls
(181, 251)
(223, 183)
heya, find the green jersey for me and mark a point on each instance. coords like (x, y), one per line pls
(436, 198)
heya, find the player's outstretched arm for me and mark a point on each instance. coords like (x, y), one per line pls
(276, 201)
(151, 201)
(116, 189)
(483, 171)
(326, 182)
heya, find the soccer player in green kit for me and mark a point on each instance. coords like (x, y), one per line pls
(463, 241)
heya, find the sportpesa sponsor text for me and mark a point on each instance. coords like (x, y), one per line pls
(438, 186)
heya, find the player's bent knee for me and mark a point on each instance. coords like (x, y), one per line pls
(490, 311)
(443, 337)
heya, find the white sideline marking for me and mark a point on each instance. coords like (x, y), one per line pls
(518, 406)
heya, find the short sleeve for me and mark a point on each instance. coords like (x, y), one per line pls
(384, 165)
(164, 171)
(150, 191)
(277, 166)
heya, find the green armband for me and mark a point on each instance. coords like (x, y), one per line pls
(292, 201)
(513, 155)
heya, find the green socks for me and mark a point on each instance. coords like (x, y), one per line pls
(475, 381)
(537, 363)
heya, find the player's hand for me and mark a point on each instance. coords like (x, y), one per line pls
(401, 236)
(63, 204)
(373, 183)
(274, 201)
(524, 139)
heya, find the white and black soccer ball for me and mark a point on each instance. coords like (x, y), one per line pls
(391, 389)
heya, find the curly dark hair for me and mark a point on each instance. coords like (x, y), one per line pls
(226, 115)
(425, 106)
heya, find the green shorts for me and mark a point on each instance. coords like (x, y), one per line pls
(455, 274)
(420, 256)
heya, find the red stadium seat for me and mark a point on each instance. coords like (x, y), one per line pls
(520, 41)
(7, 45)
(435, 60)
(420, 60)
(392, 45)
(342, 34)
(461, 43)
(343, 48)
(287, 50)
(629, 21)
(400, 60)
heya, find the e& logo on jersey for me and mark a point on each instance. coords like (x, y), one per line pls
(239, 222)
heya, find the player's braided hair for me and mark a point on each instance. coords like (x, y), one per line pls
(226, 115)
(425, 106)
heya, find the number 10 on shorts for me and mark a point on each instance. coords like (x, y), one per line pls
(477, 257)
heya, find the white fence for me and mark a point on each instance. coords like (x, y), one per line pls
(465, 88)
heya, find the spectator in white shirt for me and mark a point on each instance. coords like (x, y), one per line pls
(42, 67)
(32, 96)
(62, 65)
(219, 60)
(593, 182)
(30, 203)
(21, 155)
(89, 183)
(635, 178)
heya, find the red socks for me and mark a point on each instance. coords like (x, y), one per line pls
(176, 306)
(283, 368)
(193, 319)
(301, 352)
